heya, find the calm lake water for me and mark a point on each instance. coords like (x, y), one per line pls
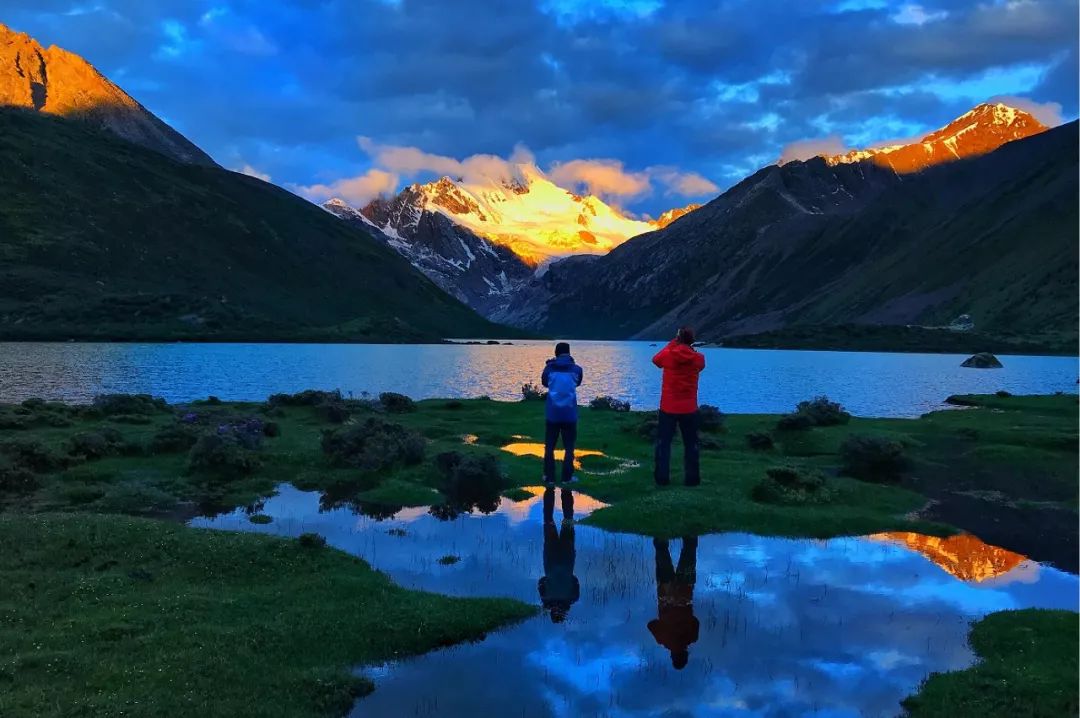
(739, 625)
(736, 380)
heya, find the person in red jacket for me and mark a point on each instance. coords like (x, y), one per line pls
(678, 406)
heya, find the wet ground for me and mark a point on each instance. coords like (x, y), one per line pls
(726, 624)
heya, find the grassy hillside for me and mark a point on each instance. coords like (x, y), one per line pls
(101, 239)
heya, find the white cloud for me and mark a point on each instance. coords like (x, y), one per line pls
(685, 184)
(357, 191)
(917, 15)
(805, 149)
(411, 161)
(601, 177)
(1048, 113)
(252, 172)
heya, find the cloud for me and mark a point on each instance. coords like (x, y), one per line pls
(357, 191)
(684, 184)
(805, 149)
(917, 15)
(604, 178)
(412, 161)
(1048, 113)
(705, 87)
(252, 172)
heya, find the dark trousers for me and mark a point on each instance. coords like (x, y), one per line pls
(568, 431)
(665, 432)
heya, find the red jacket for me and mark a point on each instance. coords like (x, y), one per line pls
(681, 365)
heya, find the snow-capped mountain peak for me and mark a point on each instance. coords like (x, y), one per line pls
(527, 213)
(982, 129)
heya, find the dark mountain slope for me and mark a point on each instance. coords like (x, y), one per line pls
(100, 238)
(811, 244)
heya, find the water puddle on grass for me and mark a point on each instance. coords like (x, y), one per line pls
(588, 461)
(725, 624)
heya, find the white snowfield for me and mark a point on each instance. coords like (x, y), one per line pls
(540, 223)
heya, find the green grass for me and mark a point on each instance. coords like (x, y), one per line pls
(102, 239)
(103, 610)
(106, 615)
(1021, 448)
(1027, 667)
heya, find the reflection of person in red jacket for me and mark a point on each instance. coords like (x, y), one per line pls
(676, 626)
(678, 406)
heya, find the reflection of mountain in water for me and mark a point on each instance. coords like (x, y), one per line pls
(963, 555)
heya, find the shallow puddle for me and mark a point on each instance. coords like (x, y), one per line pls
(725, 624)
(588, 461)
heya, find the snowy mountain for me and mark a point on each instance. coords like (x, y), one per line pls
(527, 213)
(482, 240)
(471, 268)
(976, 132)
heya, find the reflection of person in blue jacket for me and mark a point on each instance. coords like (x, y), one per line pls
(559, 587)
(562, 377)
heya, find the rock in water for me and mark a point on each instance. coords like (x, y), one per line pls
(982, 360)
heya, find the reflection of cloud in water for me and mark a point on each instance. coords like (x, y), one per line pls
(787, 627)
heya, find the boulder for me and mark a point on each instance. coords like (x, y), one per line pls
(982, 360)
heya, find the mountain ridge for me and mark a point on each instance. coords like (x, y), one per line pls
(101, 239)
(55, 81)
(982, 129)
(819, 243)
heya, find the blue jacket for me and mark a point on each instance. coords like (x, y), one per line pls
(561, 376)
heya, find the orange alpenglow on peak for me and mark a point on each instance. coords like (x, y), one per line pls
(977, 132)
(57, 82)
(528, 214)
(962, 555)
(671, 215)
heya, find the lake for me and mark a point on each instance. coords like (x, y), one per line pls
(731, 624)
(736, 380)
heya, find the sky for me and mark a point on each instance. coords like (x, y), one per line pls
(650, 104)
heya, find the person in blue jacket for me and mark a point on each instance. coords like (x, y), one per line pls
(562, 377)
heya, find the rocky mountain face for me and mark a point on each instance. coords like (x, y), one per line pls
(526, 213)
(471, 268)
(483, 241)
(974, 133)
(57, 82)
(671, 215)
(828, 242)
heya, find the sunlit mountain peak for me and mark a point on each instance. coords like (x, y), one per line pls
(976, 132)
(528, 213)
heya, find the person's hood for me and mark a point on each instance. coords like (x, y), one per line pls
(683, 353)
(561, 360)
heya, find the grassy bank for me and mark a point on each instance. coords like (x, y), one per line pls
(105, 615)
(1015, 455)
(108, 613)
(1027, 667)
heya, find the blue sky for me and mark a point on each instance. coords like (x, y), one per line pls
(650, 103)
